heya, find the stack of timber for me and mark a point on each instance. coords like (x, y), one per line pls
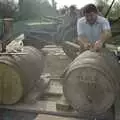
(91, 82)
(38, 38)
(34, 41)
(19, 74)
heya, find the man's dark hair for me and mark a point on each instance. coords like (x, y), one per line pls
(72, 7)
(90, 8)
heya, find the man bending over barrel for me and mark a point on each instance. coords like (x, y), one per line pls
(93, 30)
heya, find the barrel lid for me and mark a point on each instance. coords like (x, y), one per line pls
(89, 91)
(89, 85)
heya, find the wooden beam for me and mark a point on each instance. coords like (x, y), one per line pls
(41, 107)
(13, 53)
(51, 117)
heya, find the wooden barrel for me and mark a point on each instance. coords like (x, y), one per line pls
(19, 73)
(71, 49)
(91, 82)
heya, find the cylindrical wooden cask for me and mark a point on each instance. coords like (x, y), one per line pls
(91, 82)
(19, 73)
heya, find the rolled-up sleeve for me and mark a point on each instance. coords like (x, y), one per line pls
(80, 28)
(106, 25)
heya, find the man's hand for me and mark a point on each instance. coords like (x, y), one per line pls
(87, 45)
(98, 45)
(84, 41)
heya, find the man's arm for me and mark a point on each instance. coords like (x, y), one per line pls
(106, 31)
(82, 39)
(81, 36)
(104, 36)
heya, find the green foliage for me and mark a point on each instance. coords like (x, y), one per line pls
(34, 9)
(114, 11)
(7, 9)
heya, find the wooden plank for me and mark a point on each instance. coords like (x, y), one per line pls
(13, 53)
(43, 107)
(63, 105)
(71, 44)
(50, 46)
(51, 117)
(36, 93)
(71, 49)
(6, 19)
(55, 89)
(111, 47)
(56, 78)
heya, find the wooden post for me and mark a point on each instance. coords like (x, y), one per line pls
(8, 25)
(7, 32)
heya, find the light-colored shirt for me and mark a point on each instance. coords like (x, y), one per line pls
(92, 32)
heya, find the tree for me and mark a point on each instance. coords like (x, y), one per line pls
(7, 9)
(35, 9)
(114, 7)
